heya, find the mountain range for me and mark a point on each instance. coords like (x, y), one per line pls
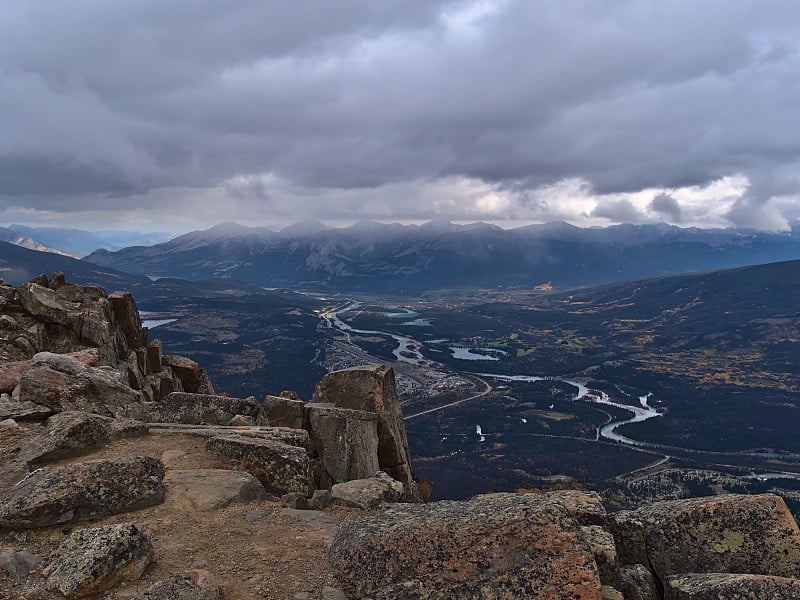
(376, 257)
(76, 242)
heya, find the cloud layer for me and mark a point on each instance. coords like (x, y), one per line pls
(594, 111)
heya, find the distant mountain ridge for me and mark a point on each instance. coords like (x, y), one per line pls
(77, 242)
(372, 256)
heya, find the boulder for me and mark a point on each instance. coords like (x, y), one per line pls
(205, 386)
(67, 434)
(211, 489)
(279, 467)
(23, 411)
(11, 373)
(199, 409)
(194, 585)
(83, 490)
(62, 382)
(42, 303)
(281, 411)
(368, 493)
(186, 370)
(636, 583)
(493, 546)
(721, 534)
(93, 560)
(346, 441)
(20, 565)
(373, 389)
(721, 586)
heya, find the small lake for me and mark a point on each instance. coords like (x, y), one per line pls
(152, 323)
(467, 354)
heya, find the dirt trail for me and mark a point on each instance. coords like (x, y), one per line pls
(256, 549)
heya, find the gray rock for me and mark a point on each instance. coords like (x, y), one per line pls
(20, 565)
(83, 490)
(154, 356)
(608, 592)
(636, 583)
(346, 441)
(197, 409)
(731, 533)
(330, 593)
(280, 468)
(368, 493)
(241, 421)
(494, 546)
(63, 382)
(601, 543)
(729, 586)
(373, 389)
(281, 411)
(23, 411)
(67, 434)
(194, 585)
(43, 304)
(128, 428)
(211, 489)
(93, 560)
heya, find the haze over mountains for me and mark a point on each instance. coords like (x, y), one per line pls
(372, 256)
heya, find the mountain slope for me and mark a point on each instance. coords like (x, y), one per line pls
(371, 256)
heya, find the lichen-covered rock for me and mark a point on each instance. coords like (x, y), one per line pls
(729, 586)
(211, 489)
(42, 303)
(346, 441)
(96, 559)
(194, 585)
(494, 546)
(70, 433)
(199, 409)
(83, 490)
(281, 411)
(373, 389)
(279, 467)
(636, 583)
(63, 382)
(601, 543)
(368, 493)
(732, 533)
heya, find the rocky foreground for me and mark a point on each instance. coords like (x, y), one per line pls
(125, 476)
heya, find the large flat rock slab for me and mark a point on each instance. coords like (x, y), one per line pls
(281, 468)
(84, 490)
(723, 534)
(212, 489)
(494, 546)
(202, 409)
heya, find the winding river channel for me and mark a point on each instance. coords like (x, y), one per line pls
(409, 350)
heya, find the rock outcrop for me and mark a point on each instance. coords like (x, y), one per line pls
(373, 389)
(71, 347)
(83, 490)
(203, 409)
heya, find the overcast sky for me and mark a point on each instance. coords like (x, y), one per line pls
(177, 114)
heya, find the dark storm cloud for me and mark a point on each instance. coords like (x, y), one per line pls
(668, 207)
(116, 98)
(618, 210)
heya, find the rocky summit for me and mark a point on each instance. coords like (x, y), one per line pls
(125, 475)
